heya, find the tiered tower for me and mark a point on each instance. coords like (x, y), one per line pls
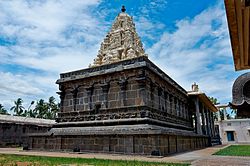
(121, 43)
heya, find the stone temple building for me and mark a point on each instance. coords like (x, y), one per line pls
(123, 103)
(14, 130)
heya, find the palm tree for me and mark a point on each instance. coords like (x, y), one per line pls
(18, 108)
(41, 109)
(53, 108)
(3, 110)
(29, 112)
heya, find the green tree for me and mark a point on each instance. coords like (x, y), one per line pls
(214, 100)
(3, 110)
(31, 112)
(18, 108)
(53, 108)
(41, 109)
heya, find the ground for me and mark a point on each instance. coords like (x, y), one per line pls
(198, 157)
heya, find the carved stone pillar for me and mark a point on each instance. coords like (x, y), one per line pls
(198, 117)
(174, 111)
(177, 107)
(159, 98)
(90, 91)
(204, 130)
(208, 122)
(212, 124)
(166, 101)
(123, 87)
(171, 104)
(105, 90)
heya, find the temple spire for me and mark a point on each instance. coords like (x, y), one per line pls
(121, 43)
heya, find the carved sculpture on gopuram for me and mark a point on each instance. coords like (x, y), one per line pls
(121, 43)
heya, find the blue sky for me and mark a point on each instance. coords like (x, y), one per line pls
(39, 39)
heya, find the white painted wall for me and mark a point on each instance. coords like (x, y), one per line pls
(241, 128)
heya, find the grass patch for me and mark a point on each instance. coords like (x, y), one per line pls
(20, 160)
(235, 150)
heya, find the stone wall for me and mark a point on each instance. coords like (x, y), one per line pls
(93, 98)
(12, 134)
(123, 144)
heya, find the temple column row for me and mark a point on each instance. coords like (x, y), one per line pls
(203, 119)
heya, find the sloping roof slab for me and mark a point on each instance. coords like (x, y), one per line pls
(238, 16)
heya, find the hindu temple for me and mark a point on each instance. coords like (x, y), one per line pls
(123, 103)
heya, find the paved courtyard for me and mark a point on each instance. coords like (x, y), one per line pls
(196, 158)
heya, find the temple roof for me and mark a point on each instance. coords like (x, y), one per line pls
(121, 43)
(238, 17)
(26, 120)
(241, 90)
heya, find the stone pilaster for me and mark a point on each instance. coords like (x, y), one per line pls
(159, 98)
(152, 94)
(142, 89)
(105, 90)
(166, 101)
(123, 87)
(74, 93)
(90, 91)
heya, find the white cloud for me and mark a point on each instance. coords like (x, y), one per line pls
(46, 38)
(57, 36)
(198, 51)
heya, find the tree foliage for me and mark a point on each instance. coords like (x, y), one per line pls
(18, 107)
(3, 110)
(42, 109)
(214, 100)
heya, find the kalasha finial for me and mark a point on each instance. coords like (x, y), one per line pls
(123, 9)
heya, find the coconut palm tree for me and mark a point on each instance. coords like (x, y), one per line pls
(41, 109)
(53, 108)
(29, 112)
(18, 108)
(3, 110)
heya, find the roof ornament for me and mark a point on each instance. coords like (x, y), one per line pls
(123, 9)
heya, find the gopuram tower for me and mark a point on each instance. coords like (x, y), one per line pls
(123, 103)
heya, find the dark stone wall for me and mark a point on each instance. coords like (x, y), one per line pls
(125, 93)
(12, 134)
(123, 144)
(101, 95)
